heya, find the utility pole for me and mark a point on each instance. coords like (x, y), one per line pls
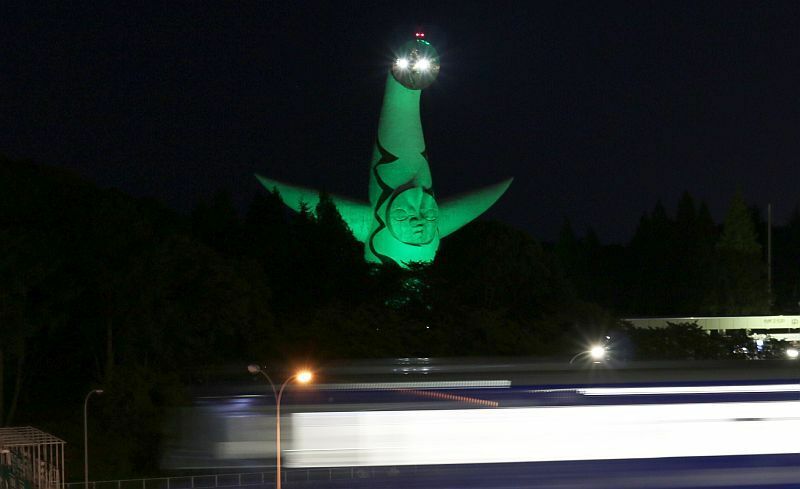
(769, 256)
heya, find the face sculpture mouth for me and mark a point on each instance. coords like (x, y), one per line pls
(412, 216)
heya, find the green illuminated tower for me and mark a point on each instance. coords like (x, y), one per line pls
(403, 222)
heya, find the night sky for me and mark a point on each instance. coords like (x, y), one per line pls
(598, 109)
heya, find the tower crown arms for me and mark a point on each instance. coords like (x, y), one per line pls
(403, 221)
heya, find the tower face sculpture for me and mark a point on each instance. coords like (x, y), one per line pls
(403, 222)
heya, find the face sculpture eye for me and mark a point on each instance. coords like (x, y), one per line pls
(413, 216)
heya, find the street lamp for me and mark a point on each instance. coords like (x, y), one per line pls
(597, 353)
(86, 438)
(303, 377)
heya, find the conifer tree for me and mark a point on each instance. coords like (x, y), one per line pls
(740, 272)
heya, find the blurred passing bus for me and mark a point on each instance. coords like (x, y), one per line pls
(420, 411)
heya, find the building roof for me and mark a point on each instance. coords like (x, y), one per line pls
(26, 436)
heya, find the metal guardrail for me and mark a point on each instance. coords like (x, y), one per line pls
(183, 482)
(246, 479)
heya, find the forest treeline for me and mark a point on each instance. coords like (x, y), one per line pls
(686, 265)
(100, 289)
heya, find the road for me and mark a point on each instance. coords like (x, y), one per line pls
(748, 472)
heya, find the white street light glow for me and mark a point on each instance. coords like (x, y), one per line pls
(423, 64)
(598, 352)
(402, 63)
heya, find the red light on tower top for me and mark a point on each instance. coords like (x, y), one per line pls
(419, 35)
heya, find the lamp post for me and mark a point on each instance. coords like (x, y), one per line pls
(86, 438)
(303, 377)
